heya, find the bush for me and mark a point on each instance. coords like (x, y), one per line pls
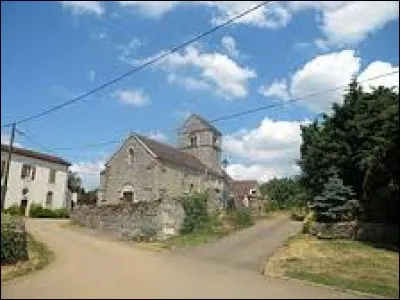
(196, 216)
(37, 211)
(298, 214)
(242, 218)
(14, 246)
(309, 221)
(14, 210)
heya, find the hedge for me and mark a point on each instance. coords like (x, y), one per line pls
(14, 210)
(37, 211)
(14, 242)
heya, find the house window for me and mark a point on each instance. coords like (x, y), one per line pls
(52, 176)
(28, 172)
(25, 191)
(131, 156)
(193, 141)
(253, 192)
(3, 167)
(49, 199)
(191, 187)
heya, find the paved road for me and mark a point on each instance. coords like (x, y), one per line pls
(248, 249)
(90, 267)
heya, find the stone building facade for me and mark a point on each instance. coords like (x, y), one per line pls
(143, 169)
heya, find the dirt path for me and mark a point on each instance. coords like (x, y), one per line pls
(89, 267)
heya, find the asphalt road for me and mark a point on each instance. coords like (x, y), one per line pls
(87, 266)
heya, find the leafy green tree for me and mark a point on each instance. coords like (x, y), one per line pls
(336, 202)
(74, 182)
(89, 197)
(360, 137)
(285, 192)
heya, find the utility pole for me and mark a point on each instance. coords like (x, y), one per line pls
(4, 188)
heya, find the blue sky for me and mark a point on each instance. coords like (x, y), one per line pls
(53, 51)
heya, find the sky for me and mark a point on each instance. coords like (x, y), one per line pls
(54, 51)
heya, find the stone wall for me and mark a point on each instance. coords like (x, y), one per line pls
(156, 220)
(373, 232)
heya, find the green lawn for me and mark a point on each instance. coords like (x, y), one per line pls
(345, 264)
(39, 257)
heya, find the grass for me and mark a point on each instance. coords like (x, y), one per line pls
(195, 238)
(39, 257)
(344, 264)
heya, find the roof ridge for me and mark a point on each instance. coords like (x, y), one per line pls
(140, 136)
(36, 154)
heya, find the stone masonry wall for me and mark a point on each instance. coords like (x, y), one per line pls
(373, 232)
(156, 220)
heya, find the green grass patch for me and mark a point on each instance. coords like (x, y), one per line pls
(344, 264)
(39, 257)
(194, 238)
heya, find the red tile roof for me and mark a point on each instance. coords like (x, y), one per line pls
(38, 155)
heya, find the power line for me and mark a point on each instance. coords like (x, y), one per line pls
(87, 146)
(144, 65)
(34, 141)
(296, 99)
(260, 108)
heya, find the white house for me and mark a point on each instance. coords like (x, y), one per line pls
(35, 177)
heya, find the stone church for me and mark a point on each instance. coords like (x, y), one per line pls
(143, 169)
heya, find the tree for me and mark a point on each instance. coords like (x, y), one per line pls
(336, 202)
(284, 192)
(89, 197)
(74, 182)
(360, 138)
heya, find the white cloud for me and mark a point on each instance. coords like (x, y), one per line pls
(348, 22)
(272, 15)
(132, 97)
(6, 138)
(158, 136)
(129, 49)
(221, 73)
(322, 73)
(277, 89)
(153, 9)
(375, 69)
(229, 45)
(189, 83)
(259, 172)
(270, 150)
(330, 72)
(341, 22)
(89, 172)
(351, 23)
(82, 7)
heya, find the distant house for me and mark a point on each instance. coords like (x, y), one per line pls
(143, 169)
(34, 177)
(247, 193)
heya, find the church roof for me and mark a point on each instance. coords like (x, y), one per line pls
(171, 154)
(206, 123)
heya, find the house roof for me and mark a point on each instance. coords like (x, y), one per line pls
(37, 155)
(242, 187)
(203, 121)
